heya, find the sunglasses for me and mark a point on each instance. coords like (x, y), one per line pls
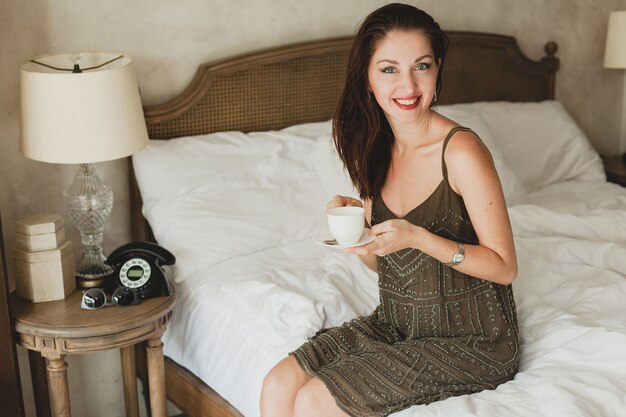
(95, 298)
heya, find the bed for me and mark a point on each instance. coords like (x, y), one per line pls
(240, 166)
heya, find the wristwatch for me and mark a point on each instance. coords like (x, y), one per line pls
(458, 256)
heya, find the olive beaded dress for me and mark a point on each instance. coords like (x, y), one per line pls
(436, 333)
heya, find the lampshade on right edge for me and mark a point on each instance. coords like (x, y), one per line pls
(615, 52)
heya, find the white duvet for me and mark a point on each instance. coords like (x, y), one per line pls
(236, 319)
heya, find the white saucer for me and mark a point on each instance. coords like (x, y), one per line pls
(322, 236)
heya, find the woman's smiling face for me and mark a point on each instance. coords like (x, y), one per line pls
(402, 74)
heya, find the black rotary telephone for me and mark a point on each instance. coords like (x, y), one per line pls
(138, 266)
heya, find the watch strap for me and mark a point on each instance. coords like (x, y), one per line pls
(460, 251)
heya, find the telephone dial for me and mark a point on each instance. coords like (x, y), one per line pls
(138, 266)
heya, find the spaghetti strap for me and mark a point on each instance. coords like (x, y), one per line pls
(444, 169)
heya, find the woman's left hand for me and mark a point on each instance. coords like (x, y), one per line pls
(391, 236)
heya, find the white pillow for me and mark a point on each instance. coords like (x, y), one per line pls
(213, 197)
(514, 192)
(540, 141)
(329, 168)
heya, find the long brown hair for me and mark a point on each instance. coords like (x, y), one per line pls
(361, 132)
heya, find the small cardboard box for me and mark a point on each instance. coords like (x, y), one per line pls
(39, 232)
(45, 275)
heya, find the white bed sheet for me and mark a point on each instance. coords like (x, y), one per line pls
(235, 320)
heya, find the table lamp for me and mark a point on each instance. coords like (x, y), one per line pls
(615, 51)
(82, 108)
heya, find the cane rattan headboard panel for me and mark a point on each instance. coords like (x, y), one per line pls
(300, 83)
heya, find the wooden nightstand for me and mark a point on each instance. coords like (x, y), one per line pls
(615, 169)
(59, 328)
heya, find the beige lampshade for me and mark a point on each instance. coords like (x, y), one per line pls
(86, 117)
(615, 52)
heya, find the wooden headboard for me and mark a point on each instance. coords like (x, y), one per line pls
(279, 87)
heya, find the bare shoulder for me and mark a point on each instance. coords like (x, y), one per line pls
(463, 143)
(469, 162)
(465, 149)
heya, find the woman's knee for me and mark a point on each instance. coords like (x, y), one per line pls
(285, 376)
(312, 400)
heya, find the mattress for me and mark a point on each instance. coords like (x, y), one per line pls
(236, 319)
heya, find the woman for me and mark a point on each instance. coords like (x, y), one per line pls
(443, 248)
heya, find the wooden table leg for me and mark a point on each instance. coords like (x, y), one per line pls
(59, 392)
(156, 377)
(39, 378)
(129, 378)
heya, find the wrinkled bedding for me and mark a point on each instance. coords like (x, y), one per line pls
(237, 318)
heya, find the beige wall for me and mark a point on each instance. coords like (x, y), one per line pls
(168, 40)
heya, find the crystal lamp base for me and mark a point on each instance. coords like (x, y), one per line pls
(89, 203)
(91, 270)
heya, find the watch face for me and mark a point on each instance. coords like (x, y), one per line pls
(458, 257)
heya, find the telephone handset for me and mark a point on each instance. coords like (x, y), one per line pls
(138, 266)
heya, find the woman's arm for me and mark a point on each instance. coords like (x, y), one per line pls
(471, 174)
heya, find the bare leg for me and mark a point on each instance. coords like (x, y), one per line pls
(280, 387)
(314, 400)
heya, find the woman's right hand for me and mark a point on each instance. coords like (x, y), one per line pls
(343, 201)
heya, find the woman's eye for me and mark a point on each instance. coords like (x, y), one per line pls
(422, 67)
(388, 70)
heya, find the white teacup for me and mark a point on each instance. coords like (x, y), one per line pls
(346, 224)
